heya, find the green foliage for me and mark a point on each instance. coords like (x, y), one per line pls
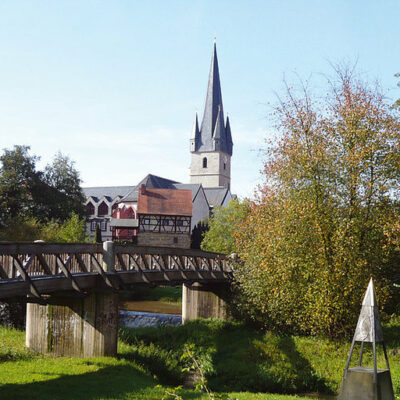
(326, 219)
(24, 229)
(223, 223)
(17, 176)
(62, 175)
(97, 235)
(26, 193)
(24, 375)
(231, 355)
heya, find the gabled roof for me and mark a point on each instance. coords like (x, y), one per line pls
(216, 196)
(112, 192)
(165, 202)
(213, 134)
(150, 181)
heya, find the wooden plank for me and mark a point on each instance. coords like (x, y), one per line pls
(3, 274)
(44, 265)
(32, 288)
(81, 264)
(67, 273)
(102, 273)
(121, 262)
(49, 248)
(129, 248)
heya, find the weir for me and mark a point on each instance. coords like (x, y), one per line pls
(72, 289)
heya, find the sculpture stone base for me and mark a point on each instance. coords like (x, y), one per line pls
(359, 385)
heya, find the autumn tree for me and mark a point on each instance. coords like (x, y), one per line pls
(326, 218)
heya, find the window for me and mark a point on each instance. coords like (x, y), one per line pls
(146, 221)
(93, 226)
(90, 209)
(165, 222)
(205, 162)
(103, 225)
(179, 223)
(103, 209)
(175, 240)
(224, 165)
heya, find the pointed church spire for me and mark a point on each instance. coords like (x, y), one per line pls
(213, 104)
(212, 127)
(195, 137)
(219, 132)
(228, 134)
(195, 131)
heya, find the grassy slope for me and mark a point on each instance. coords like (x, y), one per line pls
(26, 375)
(238, 358)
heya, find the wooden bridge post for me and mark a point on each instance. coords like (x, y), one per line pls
(74, 325)
(204, 301)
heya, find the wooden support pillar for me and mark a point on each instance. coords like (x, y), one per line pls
(74, 326)
(204, 301)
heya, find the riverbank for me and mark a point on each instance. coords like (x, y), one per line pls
(25, 375)
(236, 359)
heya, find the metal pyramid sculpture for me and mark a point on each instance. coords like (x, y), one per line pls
(369, 327)
(363, 383)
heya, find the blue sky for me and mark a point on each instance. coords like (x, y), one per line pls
(116, 84)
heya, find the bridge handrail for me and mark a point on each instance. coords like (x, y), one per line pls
(171, 251)
(9, 248)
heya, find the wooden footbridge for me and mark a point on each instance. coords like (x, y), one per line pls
(72, 289)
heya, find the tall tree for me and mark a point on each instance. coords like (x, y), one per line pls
(17, 177)
(322, 224)
(62, 176)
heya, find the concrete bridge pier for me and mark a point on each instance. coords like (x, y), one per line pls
(74, 326)
(204, 301)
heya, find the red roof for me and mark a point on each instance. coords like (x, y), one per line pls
(165, 202)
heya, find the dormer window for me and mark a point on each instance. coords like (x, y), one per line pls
(205, 162)
(90, 209)
(103, 209)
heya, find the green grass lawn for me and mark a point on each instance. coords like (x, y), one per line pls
(237, 359)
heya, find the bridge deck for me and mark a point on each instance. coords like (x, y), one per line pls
(44, 268)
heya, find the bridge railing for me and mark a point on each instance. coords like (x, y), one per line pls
(30, 262)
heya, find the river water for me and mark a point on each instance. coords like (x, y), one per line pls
(137, 314)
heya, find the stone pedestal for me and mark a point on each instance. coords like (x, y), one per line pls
(359, 385)
(72, 326)
(204, 301)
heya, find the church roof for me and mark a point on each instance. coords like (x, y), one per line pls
(216, 196)
(213, 134)
(112, 192)
(150, 181)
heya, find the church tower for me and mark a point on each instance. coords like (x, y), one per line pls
(211, 144)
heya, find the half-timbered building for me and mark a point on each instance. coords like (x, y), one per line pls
(159, 217)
